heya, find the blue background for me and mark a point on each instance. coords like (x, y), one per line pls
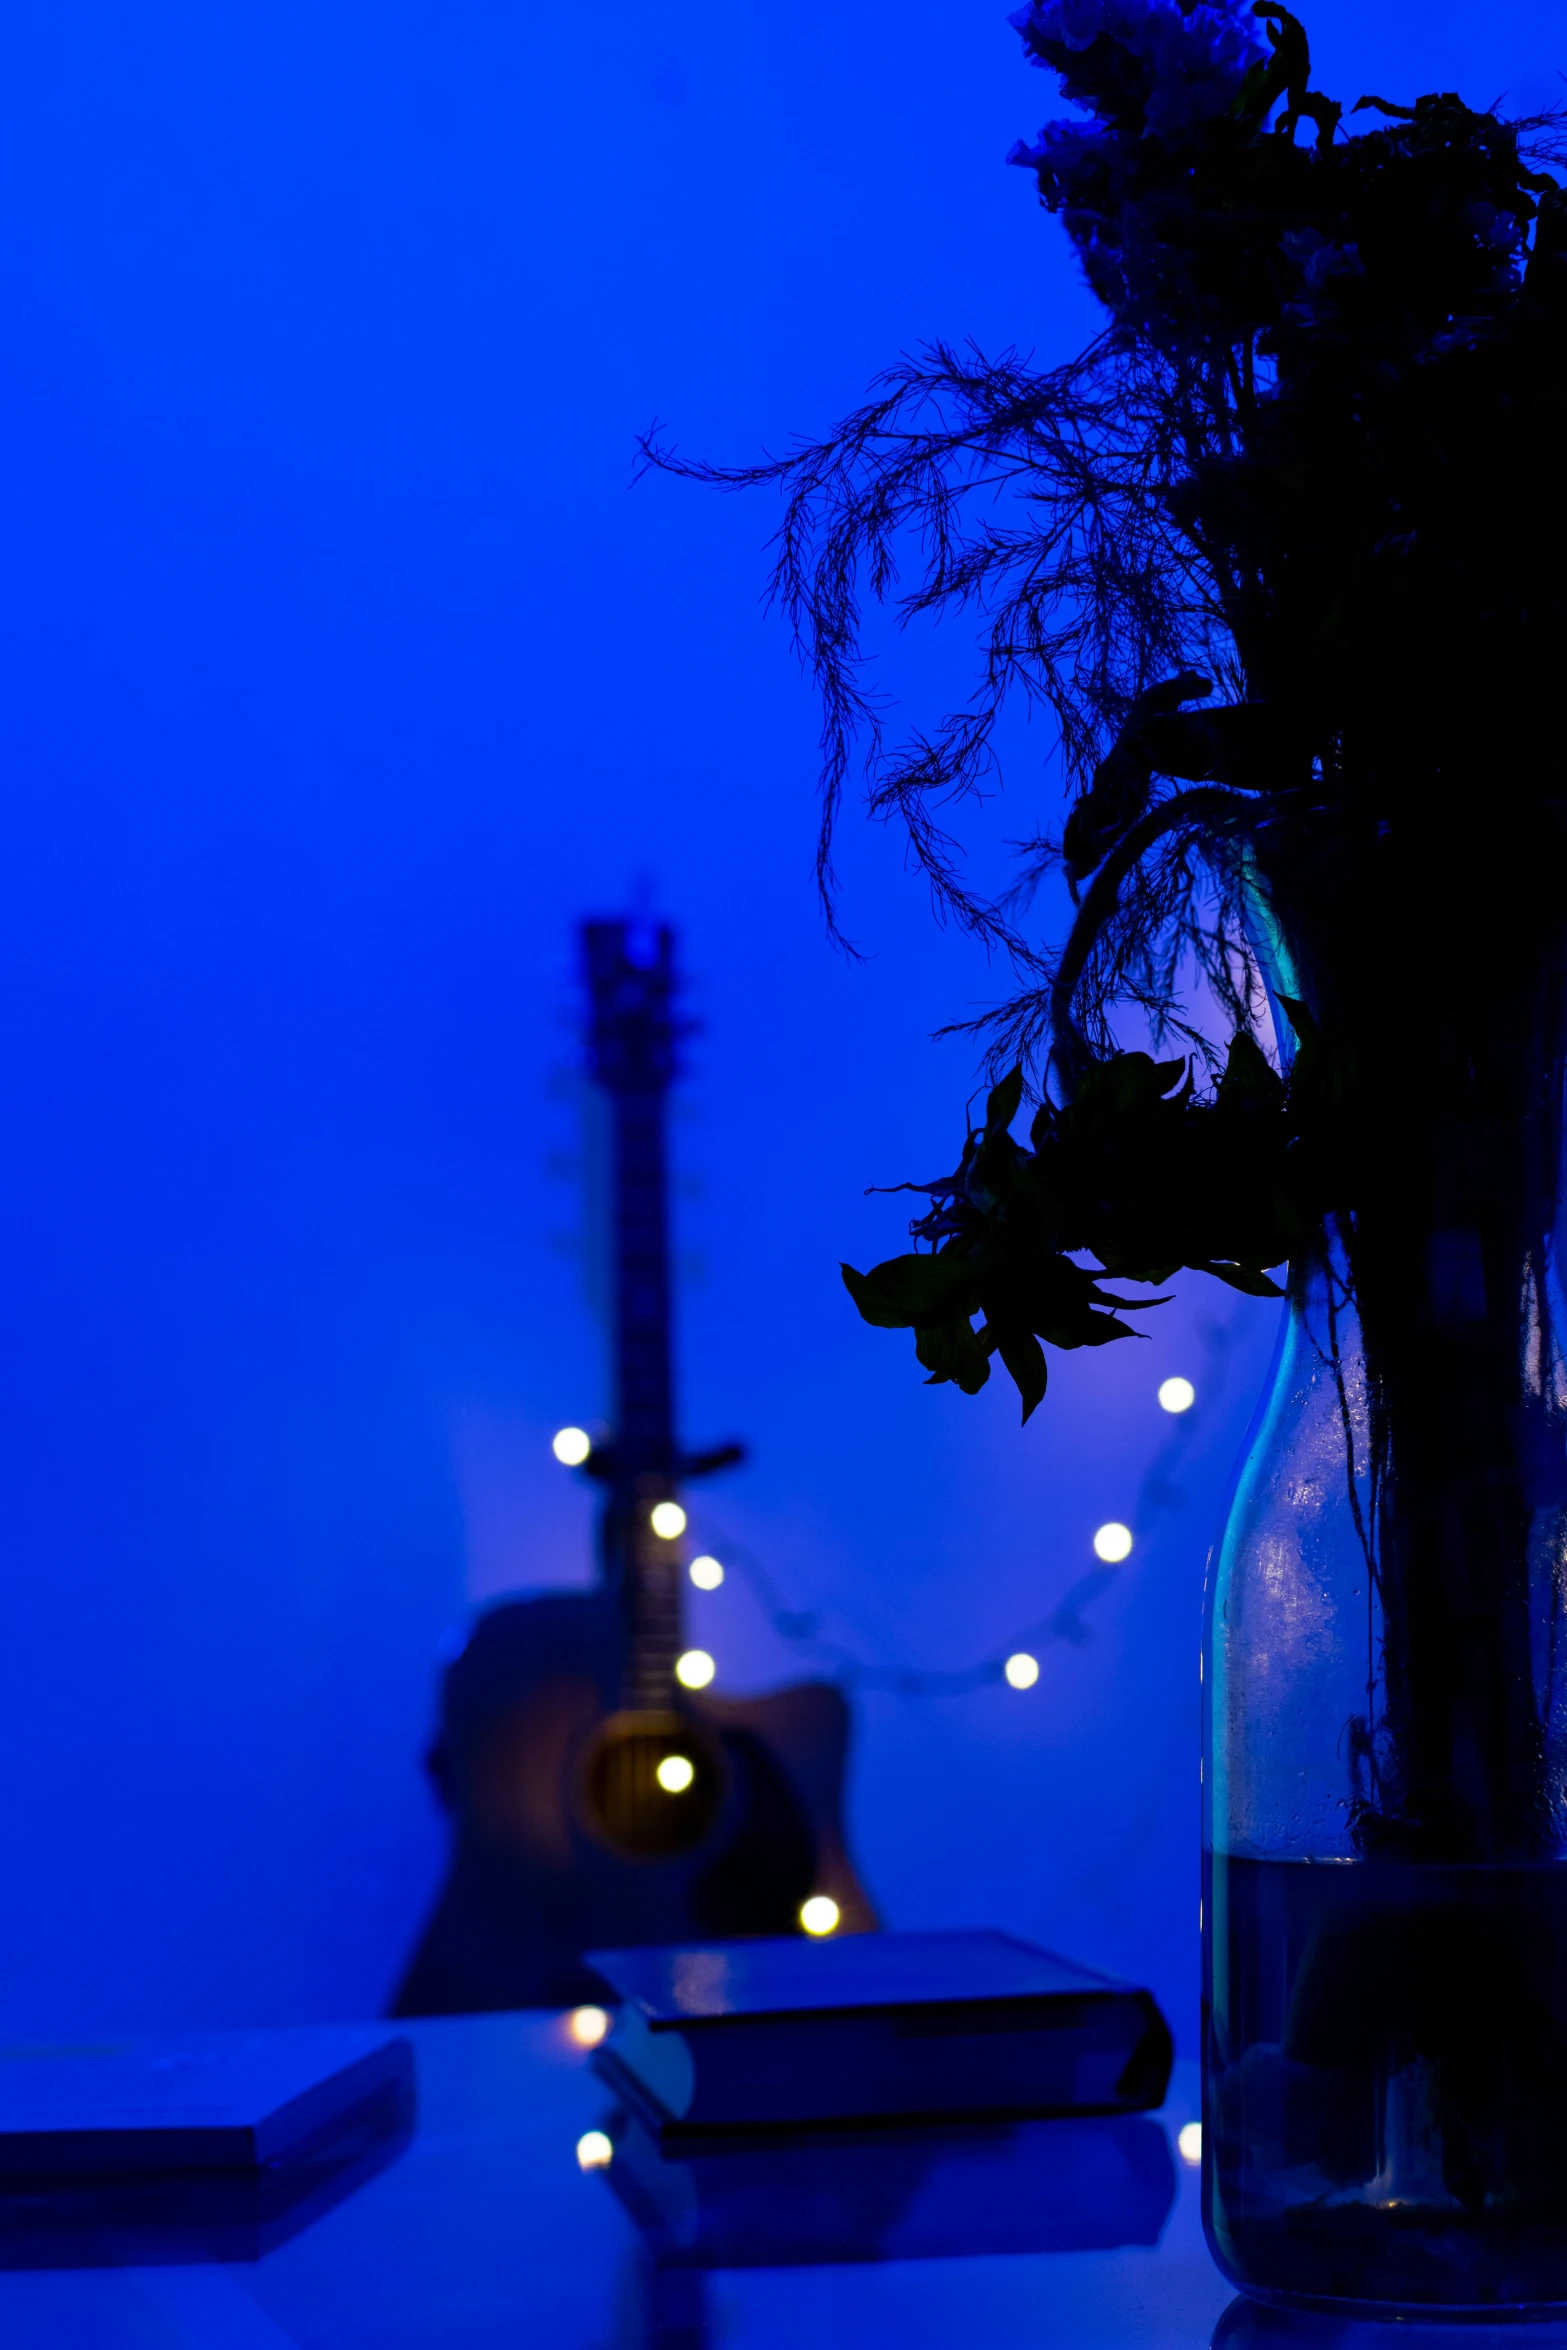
(341, 670)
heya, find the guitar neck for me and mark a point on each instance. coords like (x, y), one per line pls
(644, 1386)
(648, 1568)
(646, 1572)
(633, 1059)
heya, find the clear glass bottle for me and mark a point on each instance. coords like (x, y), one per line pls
(1385, 1892)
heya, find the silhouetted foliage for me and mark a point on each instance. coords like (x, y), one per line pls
(1280, 554)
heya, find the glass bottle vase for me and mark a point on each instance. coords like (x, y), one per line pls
(1385, 1872)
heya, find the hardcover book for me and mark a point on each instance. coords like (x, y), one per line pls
(771, 2033)
(207, 2102)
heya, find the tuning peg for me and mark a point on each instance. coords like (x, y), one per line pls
(705, 1464)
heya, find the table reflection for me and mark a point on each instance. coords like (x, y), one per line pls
(906, 2194)
(872, 2195)
(1248, 2325)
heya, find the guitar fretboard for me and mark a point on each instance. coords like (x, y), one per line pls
(644, 1402)
(633, 1058)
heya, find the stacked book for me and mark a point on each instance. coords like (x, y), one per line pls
(784, 2033)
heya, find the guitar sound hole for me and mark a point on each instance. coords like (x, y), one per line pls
(654, 1785)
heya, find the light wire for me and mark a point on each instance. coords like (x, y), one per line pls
(1160, 1494)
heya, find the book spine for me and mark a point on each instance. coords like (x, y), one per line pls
(1105, 2053)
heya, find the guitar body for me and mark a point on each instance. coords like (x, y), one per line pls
(534, 1882)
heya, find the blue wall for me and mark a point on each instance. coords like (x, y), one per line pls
(341, 669)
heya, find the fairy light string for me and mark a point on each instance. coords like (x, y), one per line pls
(1161, 1493)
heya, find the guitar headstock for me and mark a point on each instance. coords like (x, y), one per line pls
(632, 1033)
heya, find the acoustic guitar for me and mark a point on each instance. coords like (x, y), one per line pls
(595, 1802)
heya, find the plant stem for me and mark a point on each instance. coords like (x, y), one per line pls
(1457, 1156)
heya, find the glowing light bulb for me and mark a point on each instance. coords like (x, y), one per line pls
(1176, 1395)
(571, 1446)
(705, 1573)
(667, 1519)
(820, 1914)
(587, 2026)
(1113, 1543)
(675, 1773)
(1189, 2140)
(1022, 1670)
(594, 2151)
(695, 1669)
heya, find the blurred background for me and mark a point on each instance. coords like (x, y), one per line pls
(342, 669)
